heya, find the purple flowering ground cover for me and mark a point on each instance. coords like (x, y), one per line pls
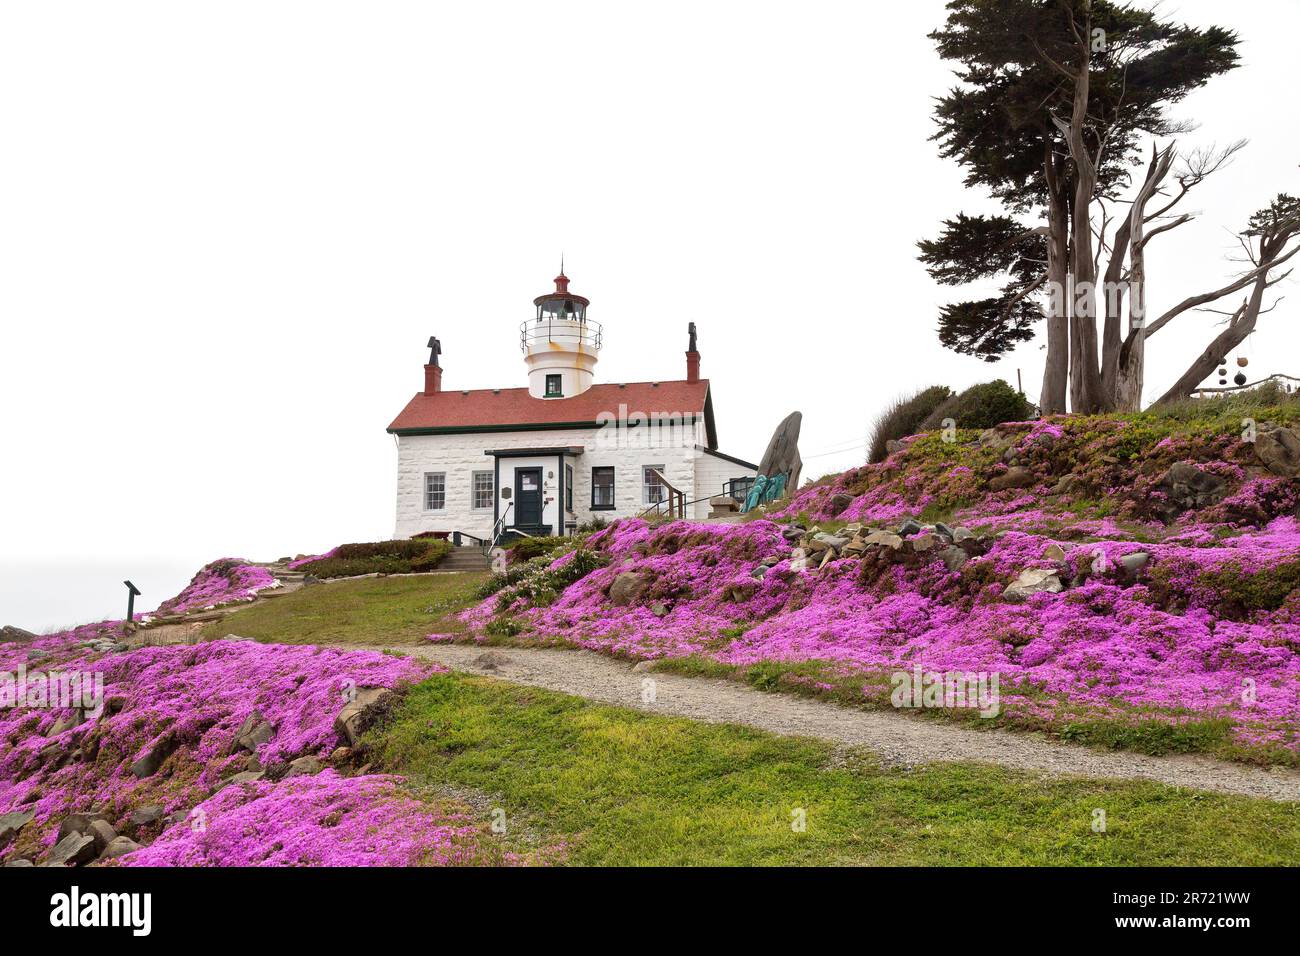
(188, 704)
(1199, 649)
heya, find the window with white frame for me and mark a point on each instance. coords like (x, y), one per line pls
(482, 487)
(435, 490)
(652, 489)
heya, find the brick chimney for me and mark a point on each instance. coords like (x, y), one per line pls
(433, 371)
(692, 357)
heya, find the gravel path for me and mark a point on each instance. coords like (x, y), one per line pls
(899, 740)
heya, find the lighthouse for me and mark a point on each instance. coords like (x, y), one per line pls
(560, 344)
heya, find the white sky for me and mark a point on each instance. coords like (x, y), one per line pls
(227, 230)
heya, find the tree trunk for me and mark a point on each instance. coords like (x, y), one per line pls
(1240, 325)
(1056, 371)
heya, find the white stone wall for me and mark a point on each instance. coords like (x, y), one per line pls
(458, 456)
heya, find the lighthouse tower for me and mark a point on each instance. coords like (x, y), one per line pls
(560, 344)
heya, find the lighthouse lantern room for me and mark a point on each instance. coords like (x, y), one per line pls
(560, 344)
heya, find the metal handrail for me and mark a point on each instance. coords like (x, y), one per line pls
(590, 332)
(499, 528)
(654, 508)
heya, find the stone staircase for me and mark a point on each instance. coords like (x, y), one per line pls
(466, 558)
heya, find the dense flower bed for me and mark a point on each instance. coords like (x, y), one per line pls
(223, 581)
(189, 701)
(1169, 644)
(321, 820)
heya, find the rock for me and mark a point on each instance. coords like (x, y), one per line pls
(247, 776)
(17, 635)
(1134, 561)
(490, 660)
(253, 764)
(838, 502)
(304, 767)
(72, 850)
(961, 533)
(855, 546)
(953, 557)
(254, 732)
(341, 755)
(627, 588)
(1188, 487)
(1054, 552)
(883, 539)
(943, 529)
(36, 654)
(146, 815)
(1016, 477)
(102, 833)
(20, 862)
(925, 541)
(893, 445)
(830, 540)
(11, 823)
(910, 526)
(640, 667)
(77, 823)
(1279, 450)
(74, 718)
(118, 846)
(148, 765)
(1033, 581)
(827, 557)
(995, 439)
(798, 560)
(771, 561)
(792, 533)
(358, 715)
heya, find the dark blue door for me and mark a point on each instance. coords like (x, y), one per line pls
(528, 497)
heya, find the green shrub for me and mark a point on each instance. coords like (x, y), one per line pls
(597, 523)
(981, 406)
(903, 417)
(540, 584)
(525, 549)
(380, 557)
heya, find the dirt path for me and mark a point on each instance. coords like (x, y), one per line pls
(899, 740)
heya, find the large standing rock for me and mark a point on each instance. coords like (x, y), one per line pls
(627, 588)
(102, 833)
(1279, 451)
(1033, 581)
(15, 634)
(366, 708)
(782, 454)
(1188, 487)
(146, 815)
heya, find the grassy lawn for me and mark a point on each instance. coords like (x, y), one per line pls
(367, 611)
(622, 787)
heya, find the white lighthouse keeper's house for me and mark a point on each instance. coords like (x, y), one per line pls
(547, 458)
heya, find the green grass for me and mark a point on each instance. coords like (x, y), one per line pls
(623, 787)
(366, 611)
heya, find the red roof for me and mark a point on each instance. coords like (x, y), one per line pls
(492, 409)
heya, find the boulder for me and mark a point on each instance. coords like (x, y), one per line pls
(627, 588)
(839, 501)
(78, 823)
(1134, 561)
(961, 533)
(11, 823)
(146, 815)
(246, 776)
(830, 540)
(1279, 451)
(73, 850)
(1015, 477)
(118, 846)
(255, 731)
(1188, 487)
(148, 765)
(925, 541)
(996, 439)
(883, 539)
(73, 718)
(953, 557)
(304, 767)
(1054, 552)
(102, 833)
(910, 526)
(1033, 581)
(359, 714)
(16, 635)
